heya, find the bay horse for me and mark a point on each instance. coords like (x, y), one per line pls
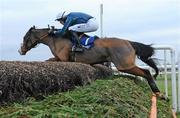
(122, 53)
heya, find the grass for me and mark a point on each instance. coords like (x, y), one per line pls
(118, 97)
(178, 115)
(161, 85)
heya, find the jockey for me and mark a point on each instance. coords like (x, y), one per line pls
(77, 23)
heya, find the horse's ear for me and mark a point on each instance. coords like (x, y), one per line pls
(52, 27)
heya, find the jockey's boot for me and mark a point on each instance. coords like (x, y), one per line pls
(77, 46)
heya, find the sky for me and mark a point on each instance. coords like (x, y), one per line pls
(147, 21)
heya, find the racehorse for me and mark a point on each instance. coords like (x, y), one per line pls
(122, 53)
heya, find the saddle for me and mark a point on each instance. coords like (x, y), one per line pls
(88, 41)
(85, 40)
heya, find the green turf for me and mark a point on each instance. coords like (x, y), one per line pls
(161, 84)
(178, 115)
(117, 97)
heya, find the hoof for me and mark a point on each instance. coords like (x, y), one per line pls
(162, 97)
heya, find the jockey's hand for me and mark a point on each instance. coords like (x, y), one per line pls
(51, 32)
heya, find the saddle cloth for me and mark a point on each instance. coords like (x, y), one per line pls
(87, 41)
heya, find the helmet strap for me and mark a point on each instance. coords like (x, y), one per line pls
(63, 14)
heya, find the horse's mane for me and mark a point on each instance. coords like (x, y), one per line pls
(44, 28)
(48, 28)
(67, 35)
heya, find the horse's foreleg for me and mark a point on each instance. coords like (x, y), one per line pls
(63, 55)
(146, 74)
(53, 59)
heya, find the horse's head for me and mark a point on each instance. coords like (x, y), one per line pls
(31, 39)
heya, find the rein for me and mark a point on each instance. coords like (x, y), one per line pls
(42, 37)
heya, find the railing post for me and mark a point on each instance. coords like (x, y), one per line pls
(179, 82)
(165, 74)
(173, 77)
(101, 20)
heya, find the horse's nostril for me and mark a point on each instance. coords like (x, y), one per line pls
(20, 52)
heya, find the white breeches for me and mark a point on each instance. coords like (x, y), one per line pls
(90, 26)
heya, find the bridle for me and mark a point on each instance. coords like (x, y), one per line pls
(44, 36)
(34, 44)
(29, 43)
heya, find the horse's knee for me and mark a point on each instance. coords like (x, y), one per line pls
(53, 59)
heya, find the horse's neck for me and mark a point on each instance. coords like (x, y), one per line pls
(55, 43)
(50, 42)
(47, 40)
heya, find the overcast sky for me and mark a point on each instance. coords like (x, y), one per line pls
(147, 21)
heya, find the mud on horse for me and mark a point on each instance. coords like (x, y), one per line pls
(118, 51)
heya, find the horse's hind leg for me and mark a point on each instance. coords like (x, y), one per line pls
(145, 74)
(152, 64)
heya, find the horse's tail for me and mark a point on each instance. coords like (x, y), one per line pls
(144, 53)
